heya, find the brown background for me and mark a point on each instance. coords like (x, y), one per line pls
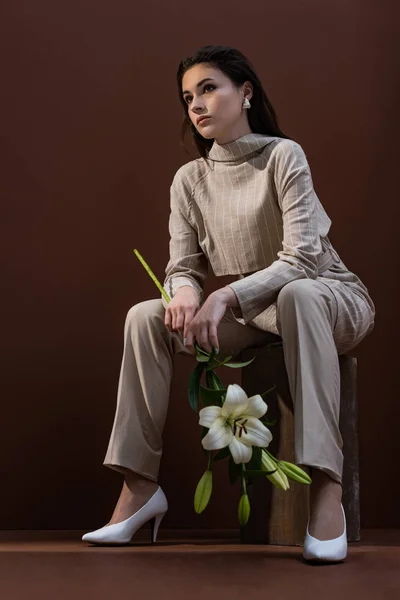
(90, 143)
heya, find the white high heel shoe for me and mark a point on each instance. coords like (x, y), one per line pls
(122, 533)
(333, 550)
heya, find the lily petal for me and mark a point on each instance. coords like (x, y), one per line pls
(240, 452)
(219, 436)
(208, 415)
(236, 401)
(257, 434)
(256, 407)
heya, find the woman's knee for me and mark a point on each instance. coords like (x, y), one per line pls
(145, 313)
(299, 291)
(296, 298)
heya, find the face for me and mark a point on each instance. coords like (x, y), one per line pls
(208, 92)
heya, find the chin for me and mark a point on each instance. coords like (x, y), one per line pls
(207, 136)
(210, 133)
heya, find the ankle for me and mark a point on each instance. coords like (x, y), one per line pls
(324, 486)
(138, 483)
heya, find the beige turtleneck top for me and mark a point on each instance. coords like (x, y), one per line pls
(249, 210)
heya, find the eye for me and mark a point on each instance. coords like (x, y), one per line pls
(208, 85)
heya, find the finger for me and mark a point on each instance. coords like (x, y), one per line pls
(179, 321)
(168, 319)
(203, 339)
(174, 319)
(189, 316)
(189, 341)
(213, 337)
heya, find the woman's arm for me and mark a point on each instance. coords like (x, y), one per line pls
(301, 241)
(187, 264)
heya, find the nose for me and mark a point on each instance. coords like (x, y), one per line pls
(197, 106)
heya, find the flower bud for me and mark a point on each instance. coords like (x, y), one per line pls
(278, 478)
(244, 509)
(294, 472)
(203, 491)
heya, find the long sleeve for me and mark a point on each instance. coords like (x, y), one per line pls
(187, 264)
(301, 243)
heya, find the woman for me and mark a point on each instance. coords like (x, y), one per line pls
(247, 207)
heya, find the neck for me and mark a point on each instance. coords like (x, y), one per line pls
(233, 134)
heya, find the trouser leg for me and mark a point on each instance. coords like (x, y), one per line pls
(143, 392)
(306, 316)
(145, 381)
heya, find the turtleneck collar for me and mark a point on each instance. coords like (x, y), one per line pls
(240, 148)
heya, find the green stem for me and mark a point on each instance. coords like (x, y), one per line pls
(154, 278)
(156, 281)
(244, 488)
(210, 457)
(271, 455)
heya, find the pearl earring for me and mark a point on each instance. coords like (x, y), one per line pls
(246, 103)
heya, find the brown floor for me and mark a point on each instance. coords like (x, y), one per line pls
(58, 566)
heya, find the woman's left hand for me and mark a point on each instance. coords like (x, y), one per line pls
(203, 327)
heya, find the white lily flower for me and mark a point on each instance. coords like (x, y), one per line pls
(236, 424)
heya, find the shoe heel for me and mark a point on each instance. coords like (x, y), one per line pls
(155, 524)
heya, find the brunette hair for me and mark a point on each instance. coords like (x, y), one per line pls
(262, 117)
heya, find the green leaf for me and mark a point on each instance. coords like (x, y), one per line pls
(202, 355)
(269, 423)
(210, 381)
(239, 365)
(202, 358)
(194, 386)
(222, 454)
(200, 350)
(211, 397)
(215, 363)
(226, 359)
(268, 391)
(213, 381)
(212, 364)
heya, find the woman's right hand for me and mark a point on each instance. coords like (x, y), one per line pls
(181, 309)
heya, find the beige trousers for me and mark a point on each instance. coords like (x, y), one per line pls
(307, 319)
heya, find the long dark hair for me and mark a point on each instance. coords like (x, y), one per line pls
(262, 117)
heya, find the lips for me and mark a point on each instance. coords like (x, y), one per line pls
(201, 120)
